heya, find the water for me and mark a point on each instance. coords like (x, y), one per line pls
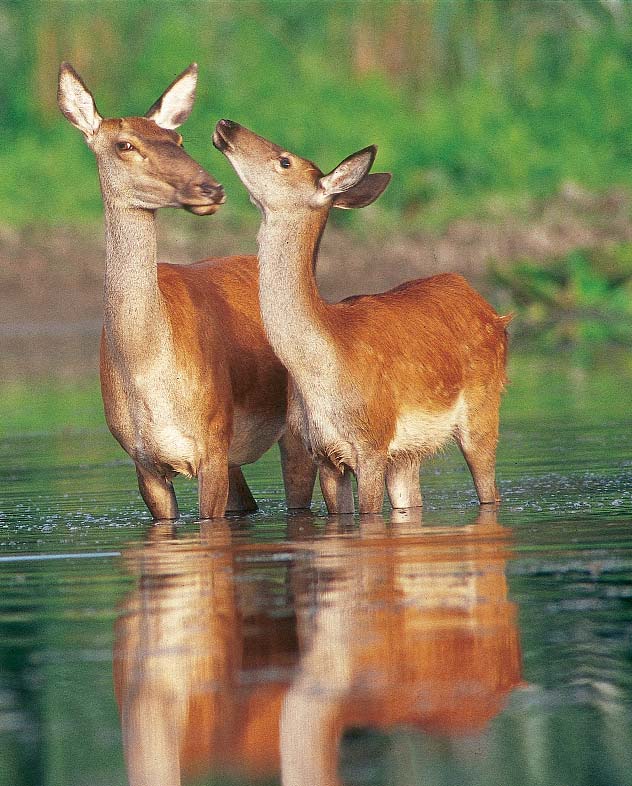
(458, 647)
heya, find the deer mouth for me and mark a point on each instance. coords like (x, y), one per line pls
(203, 210)
(205, 199)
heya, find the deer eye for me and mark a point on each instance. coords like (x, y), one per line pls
(125, 147)
(285, 162)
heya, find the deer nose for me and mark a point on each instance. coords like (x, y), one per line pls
(211, 189)
(215, 191)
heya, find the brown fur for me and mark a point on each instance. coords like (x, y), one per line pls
(378, 381)
(381, 631)
(190, 385)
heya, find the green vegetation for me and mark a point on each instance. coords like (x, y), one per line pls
(584, 298)
(474, 104)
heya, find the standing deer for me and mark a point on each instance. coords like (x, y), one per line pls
(379, 382)
(190, 385)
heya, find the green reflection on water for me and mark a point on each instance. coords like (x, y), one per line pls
(565, 471)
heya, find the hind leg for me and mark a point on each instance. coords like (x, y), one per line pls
(402, 484)
(478, 438)
(299, 471)
(240, 499)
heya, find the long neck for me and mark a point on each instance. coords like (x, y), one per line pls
(133, 315)
(294, 314)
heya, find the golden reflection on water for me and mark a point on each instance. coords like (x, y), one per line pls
(255, 658)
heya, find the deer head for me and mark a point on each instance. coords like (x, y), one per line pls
(279, 180)
(141, 160)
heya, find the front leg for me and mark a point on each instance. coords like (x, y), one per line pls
(299, 471)
(337, 488)
(213, 486)
(402, 484)
(157, 493)
(240, 499)
(371, 473)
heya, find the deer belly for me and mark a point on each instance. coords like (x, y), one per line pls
(420, 432)
(253, 434)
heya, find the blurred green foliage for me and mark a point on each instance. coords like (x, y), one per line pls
(473, 104)
(583, 298)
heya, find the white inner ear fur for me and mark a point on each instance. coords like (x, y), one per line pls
(78, 105)
(346, 175)
(176, 103)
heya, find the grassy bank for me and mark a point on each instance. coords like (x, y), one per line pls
(477, 107)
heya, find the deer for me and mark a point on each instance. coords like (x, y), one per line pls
(189, 382)
(378, 382)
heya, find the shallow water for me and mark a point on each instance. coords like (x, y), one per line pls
(458, 647)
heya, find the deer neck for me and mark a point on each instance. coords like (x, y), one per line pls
(133, 309)
(294, 314)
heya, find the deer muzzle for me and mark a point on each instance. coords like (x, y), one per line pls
(204, 198)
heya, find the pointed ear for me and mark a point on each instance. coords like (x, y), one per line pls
(76, 102)
(175, 104)
(367, 191)
(348, 173)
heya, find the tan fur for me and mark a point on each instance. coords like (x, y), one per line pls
(394, 626)
(190, 384)
(379, 381)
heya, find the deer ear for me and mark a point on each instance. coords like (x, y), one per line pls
(76, 102)
(367, 191)
(175, 104)
(347, 174)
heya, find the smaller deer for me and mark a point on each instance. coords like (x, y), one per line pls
(190, 385)
(378, 382)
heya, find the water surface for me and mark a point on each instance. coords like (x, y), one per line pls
(457, 646)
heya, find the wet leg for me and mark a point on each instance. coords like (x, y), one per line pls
(478, 439)
(337, 488)
(213, 487)
(371, 474)
(402, 484)
(158, 494)
(299, 472)
(240, 499)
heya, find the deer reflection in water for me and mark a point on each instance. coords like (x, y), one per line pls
(255, 658)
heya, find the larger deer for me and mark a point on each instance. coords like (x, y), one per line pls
(189, 382)
(379, 381)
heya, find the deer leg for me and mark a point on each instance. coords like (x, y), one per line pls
(337, 489)
(213, 487)
(478, 439)
(371, 474)
(240, 499)
(402, 484)
(157, 493)
(299, 472)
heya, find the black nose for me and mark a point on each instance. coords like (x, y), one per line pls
(211, 189)
(229, 125)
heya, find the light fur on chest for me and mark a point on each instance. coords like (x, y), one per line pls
(155, 429)
(322, 418)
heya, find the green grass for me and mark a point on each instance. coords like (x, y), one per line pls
(582, 300)
(31, 407)
(470, 102)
